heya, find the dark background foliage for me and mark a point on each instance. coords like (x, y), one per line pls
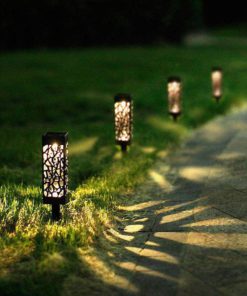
(63, 23)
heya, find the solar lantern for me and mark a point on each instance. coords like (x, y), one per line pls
(55, 170)
(123, 109)
(174, 90)
(216, 77)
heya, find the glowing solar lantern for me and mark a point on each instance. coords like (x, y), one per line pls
(55, 170)
(174, 90)
(123, 109)
(217, 76)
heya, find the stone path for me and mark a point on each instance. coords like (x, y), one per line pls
(188, 233)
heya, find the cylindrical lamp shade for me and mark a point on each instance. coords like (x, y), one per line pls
(217, 76)
(123, 109)
(174, 89)
(55, 167)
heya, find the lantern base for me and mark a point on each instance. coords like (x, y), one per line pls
(217, 98)
(56, 214)
(175, 116)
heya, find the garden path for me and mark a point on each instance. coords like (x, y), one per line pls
(188, 233)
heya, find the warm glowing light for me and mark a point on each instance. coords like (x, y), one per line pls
(216, 76)
(123, 119)
(122, 110)
(55, 146)
(55, 168)
(174, 96)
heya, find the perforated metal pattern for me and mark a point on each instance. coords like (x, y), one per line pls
(55, 170)
(123, 121)
(174, 97)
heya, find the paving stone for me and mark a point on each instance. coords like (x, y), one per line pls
(213, 220)
(158, 261)
(133, 239)
(174, 221)
(155, 283)
(215, 265)
(190, 285)
(235, 288)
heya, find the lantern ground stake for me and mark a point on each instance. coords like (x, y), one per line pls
(123, 110)
(216, 78)
(174, 90)
(175, 116)
(56, 214)
(123, 147)
(55, 170)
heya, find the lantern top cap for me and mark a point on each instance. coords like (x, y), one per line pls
(57, 137)
(56, 134)
(174, 79)
(122, 97)
(216, 69)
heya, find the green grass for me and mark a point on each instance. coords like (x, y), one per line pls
(73, 91)
(230, 31)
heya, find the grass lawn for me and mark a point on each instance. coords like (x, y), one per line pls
(73, 91)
